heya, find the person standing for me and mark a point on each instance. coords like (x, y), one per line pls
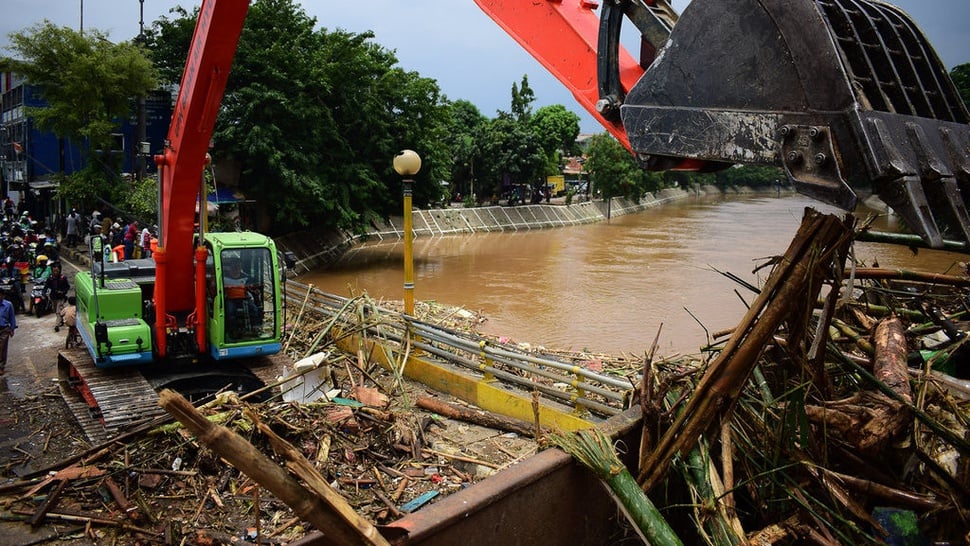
(57, 286)
(146, 243)
(71, 224)
(130, 237)
(8, 323)
(94, 221)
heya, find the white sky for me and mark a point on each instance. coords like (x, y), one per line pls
(451, 41)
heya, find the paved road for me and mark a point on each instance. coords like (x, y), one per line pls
(32, 354)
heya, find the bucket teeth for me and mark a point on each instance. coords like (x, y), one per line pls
(858, 72)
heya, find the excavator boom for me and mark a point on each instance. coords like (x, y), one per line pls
(842, 94)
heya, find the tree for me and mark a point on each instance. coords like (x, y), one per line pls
(750, 175)
(612, 169)
(522, 99)
(314, 118)
(961, 78)
(557, 129)
(464, 124)
(510, 154)
(510, 149)
(167, 41)
(88, 84)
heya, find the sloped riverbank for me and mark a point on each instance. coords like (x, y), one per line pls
(314, 249)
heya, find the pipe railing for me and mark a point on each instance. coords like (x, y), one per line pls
(572, 385)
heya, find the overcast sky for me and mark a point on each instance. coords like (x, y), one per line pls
(452, 41)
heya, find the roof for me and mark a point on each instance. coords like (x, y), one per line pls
(227, 195)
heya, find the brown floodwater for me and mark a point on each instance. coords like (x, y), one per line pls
(608, 287)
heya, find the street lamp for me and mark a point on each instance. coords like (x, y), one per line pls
(407, 163)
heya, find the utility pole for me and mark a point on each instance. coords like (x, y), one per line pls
(141, 131)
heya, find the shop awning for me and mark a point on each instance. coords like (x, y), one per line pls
(227, 196)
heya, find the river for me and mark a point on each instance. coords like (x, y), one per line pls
(608, 287)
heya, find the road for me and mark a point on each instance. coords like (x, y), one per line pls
(36, 428)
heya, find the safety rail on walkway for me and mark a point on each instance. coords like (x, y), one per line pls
(586, 393)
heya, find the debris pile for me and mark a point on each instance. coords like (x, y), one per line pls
(825, 417)
(366, 432)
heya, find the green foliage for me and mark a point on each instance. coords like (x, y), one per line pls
(510, 153)
(557, 129)
(750, 175)
(612, 169)
(313, 119)
(522, 99)
(142, 199)
(167, 41)
(961, 79)
(82, 187)
(511, 149)
(463, 127)
(86, 80)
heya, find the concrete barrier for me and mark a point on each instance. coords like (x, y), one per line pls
(316, 249)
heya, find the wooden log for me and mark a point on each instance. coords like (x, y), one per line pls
(48, 504)
(131, 510)
(885, 493)
(888, 416)
(890, 360)
(90, 518)
(333, 516)
(482, 418)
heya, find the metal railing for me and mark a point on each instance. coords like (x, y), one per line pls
(568, 384)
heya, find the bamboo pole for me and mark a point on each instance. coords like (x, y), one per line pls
(483, 418)
(593, 449)
(820, 241)
(872, 273)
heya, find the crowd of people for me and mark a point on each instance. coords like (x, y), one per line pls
(124, 240)
(30, 258)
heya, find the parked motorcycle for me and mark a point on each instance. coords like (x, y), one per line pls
(39, 302)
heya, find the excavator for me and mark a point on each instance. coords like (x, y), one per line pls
(203, 301)
(841, 94)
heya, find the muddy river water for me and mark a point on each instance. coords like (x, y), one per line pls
(608, 287)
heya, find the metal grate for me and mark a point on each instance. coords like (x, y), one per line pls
(889, 62)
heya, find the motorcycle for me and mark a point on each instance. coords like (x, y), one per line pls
(39, 303)
(11, 292)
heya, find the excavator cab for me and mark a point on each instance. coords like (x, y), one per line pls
(243, 295)
(844, 95)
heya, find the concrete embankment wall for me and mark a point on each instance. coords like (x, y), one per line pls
(316, 249)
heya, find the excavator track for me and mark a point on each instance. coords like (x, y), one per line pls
(105, 401)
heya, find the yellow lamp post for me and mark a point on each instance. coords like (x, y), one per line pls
(407, 163)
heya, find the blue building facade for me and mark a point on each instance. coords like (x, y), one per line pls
(30, 157)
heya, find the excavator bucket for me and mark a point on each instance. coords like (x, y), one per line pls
(840, 93)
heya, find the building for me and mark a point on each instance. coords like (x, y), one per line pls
(30, 157)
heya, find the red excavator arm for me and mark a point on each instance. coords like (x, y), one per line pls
(563, 37)
(180, 166)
